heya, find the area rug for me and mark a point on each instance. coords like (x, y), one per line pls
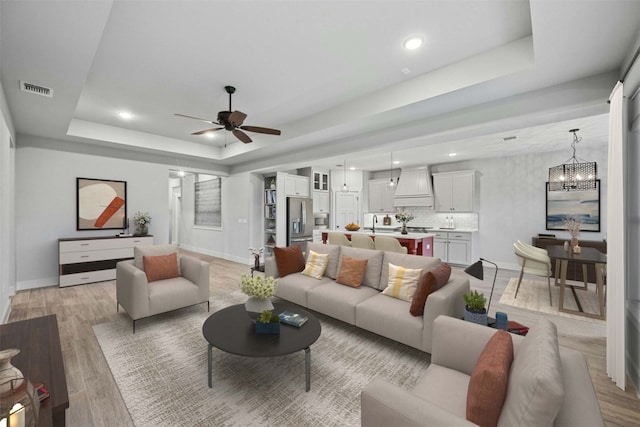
(534, 295)
(161, 372)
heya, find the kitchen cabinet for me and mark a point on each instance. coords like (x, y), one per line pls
(320, 180)
(452, 247)
(296, 185)
(380, 197)
(321, 201)
(454, 191)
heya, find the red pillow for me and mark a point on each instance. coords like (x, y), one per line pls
(429, 283)
(489, 379)
(160, 267)
(289, 260)
(351, 271)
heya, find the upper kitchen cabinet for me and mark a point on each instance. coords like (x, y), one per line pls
(296, 185)
(380, 197)
(454, 191)
(320, 180)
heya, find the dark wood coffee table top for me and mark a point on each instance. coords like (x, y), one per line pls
(231, 330)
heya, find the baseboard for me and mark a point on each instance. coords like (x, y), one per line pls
(248, 260)
(37, 283)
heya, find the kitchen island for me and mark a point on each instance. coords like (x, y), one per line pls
(416, 243)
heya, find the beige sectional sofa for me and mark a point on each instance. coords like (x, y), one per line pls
(366, 307)
(547, 384)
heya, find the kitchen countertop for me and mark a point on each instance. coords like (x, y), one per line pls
(386, 230)
(395, 234)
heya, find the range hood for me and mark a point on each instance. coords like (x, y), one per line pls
(414, 188)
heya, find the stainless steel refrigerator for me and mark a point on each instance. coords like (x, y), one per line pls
(299, 221)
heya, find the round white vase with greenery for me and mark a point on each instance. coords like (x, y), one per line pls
(259, 289)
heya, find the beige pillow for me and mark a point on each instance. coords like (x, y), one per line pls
(402, 282)
(316, 265)
(351, 271)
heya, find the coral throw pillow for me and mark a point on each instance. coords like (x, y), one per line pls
(429, 283)
(289, 260)
(316, 265)
(160, 267)
(351, 271)
(402, 282)
(489, 379)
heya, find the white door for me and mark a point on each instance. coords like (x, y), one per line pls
(347, 209)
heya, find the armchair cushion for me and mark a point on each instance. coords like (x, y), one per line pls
(160, 267)
(139, 252)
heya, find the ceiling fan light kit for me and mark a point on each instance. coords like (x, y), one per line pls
(231, 121)
(574, 174)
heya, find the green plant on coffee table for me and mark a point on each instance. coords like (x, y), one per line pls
(258, 287)
(475, 301)
(268, 316)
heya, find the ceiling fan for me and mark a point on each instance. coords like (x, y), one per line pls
(232, 121)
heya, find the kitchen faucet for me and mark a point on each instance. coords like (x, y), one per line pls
(373, 223)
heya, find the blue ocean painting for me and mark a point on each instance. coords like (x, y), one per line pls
(577, 204)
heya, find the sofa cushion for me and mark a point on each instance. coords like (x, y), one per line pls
(429, 282)
(535, 392)
(169, 294)
(160, 267)
(316, 264)
(351, 271)
(153, 250)
(402, 282)
(407, 261)
(339, 301)
(289, 260)
(374, 266)
(489, 380)
(444, 387)
(334, 257)
(295, 286)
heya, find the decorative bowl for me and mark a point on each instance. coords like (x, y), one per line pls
(352, 228)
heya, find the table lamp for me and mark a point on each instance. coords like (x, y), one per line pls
(476, 270)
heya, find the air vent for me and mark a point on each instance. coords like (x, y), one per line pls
(509, 138)
(36, 89)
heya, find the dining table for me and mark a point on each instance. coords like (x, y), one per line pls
(586, 257)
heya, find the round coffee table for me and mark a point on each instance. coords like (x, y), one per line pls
(232, 331)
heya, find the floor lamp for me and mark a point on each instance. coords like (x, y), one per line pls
(476, 270)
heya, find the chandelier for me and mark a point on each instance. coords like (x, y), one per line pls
(574, 174)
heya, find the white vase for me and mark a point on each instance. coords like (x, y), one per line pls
(9, 372)
(255, 306)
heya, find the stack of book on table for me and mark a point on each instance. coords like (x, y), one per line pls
(517, 328)
(293, 319)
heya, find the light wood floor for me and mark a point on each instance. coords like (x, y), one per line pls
(95, 399)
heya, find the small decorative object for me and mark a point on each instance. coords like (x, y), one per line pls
(256, 256)
(404, 218)
(386, 220)
(352, 226)
(141, 220)
(268, 323)
(501, 320)
(573, 225)
(9, 372)
(272, 183)
(576, 249)
(260, 289)
(566, 245)
(474, 310)
(19, 405)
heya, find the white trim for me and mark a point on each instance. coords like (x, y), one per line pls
(23, 285)
(241, 260)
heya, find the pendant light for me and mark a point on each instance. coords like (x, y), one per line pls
(391, 185)
(345, 187)
(574, 174)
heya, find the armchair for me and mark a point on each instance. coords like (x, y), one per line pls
(141, 298)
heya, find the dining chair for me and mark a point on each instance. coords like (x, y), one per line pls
(390, 244)
(337, 238)
(533, 260)
(362, 241)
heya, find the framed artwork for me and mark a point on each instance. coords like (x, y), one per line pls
(581, 204)
(101, 204)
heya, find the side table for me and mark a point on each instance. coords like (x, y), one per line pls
(254, 269)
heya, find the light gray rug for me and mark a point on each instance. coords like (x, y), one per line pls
(161, 372)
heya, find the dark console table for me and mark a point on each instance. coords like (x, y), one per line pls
(574, 269)
(40, 360)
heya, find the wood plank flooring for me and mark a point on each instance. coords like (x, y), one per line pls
(95, 399)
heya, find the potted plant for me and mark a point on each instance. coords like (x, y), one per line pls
(141, 220)
(474, 310)
(404, 218)
(268, 323)
(259, 289)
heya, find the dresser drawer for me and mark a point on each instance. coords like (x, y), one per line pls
(90, 256)
(88, 277)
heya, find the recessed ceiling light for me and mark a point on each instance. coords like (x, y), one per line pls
(452, 154)
(210, 135)
(352, 168)
(125, 115)
(396, 162)
(181, 173)
(413, 42)
(406, 71)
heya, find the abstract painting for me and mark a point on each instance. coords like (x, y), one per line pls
(101, 204)
(584, 205)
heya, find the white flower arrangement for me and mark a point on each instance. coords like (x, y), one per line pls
(256, 252)
(404, 217)
(258, 287)
(573, 225)
(141, 218)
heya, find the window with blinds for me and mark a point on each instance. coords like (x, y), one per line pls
(208, 200)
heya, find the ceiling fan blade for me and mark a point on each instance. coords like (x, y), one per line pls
(202, 132)
(237, 117)
(197, 118)
(259, 129)
(242, 136)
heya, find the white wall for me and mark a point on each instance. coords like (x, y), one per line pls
(512, 199)
(46, 204)
(7, 218)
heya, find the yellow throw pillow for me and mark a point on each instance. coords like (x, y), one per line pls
(316, 265)
(402, 282)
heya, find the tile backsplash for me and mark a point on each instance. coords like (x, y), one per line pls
(429, 218)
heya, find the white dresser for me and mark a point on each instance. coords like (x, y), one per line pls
(88, 260)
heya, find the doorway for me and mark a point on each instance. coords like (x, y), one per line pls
(347, 209)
